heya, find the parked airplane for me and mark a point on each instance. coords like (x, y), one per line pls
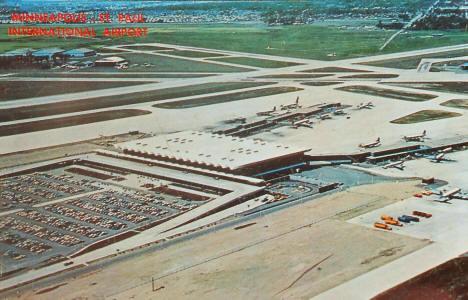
(440, 157)
(267, 112)
(452, 194)
(339, 112)
(447, 150)
(398, 165)
(415, 138)
(368, 105)
(324, 117)
(371, 145)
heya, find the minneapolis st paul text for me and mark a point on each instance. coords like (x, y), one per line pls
(65, 29)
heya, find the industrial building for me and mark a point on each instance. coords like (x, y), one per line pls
(216, 152)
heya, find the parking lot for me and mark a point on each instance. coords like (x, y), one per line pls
(55, 214)
(26, 190)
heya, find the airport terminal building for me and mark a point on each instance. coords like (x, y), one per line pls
(216, 152)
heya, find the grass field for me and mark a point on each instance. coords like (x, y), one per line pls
(105, 50)
(40, 125)
(254, 62)
(460, 87)
(146, 48)
(411, 62)
(388, 93)
(294, 76)
(457, 103)
(425, 115)
(227, 97)
(12, 90)
(113, 75)
(371, 76)
(303, 41)
(197, 54)
(43, 110)
(321, 83)
(335, 70)
(165, 64)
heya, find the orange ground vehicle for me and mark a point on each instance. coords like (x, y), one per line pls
(382, 226)
(393, 222)
(422, 214)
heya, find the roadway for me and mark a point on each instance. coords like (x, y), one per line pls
(446, 229)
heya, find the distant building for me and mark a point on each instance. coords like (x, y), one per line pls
(21, 52)
(49, 53)
(80, 52)
(15, 58)
(85, 64)
(110, 61)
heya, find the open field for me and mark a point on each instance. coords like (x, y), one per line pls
(113, 75)
(388, 93)
(290, 41)
(146, 48)
(165, 64)
(6, 130)
(254, 62)
(335, 70)
(105, 50)
(43, 110)
(295, 41)
(227, 97)
(457, 103)
(321, 83)
(460, 87)
(412, 62)
(294, 76)
(214, 265)
(424, 116)
(446, 281)
(198, 54)
(370, 76)
(12, 90)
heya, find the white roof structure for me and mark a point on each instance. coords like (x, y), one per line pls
(210, 150)
(114, 59)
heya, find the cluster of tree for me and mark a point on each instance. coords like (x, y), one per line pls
(392, 25)
(440, 23)
(287, 17)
